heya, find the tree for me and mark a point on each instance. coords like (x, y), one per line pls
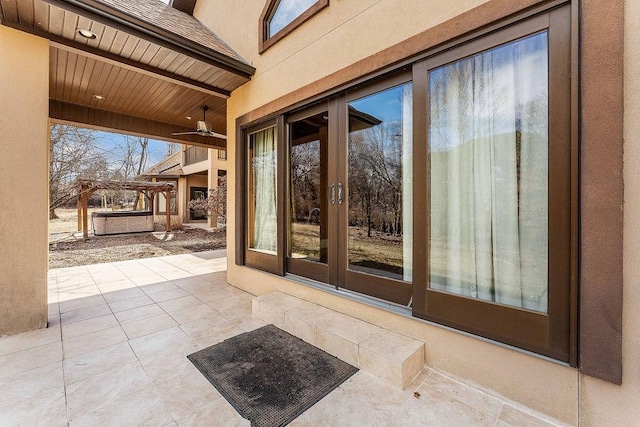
(73, 155)
(215, 205)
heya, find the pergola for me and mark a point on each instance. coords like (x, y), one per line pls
(86, 187)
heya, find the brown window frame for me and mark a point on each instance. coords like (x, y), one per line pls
(549, 333)
(264, 41)
(557, 337)
(272, 263)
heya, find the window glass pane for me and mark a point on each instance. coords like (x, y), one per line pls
(286, 12)
(488, 139)
(308, 197)
(380, 187)
(262, 191)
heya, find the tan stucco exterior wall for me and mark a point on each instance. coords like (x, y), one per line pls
(336, 38)
(24, 144)
(603, 403)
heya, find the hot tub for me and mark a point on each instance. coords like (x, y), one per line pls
(121, 222)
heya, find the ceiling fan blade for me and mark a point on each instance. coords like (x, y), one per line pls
(185, 133)
(216, 135)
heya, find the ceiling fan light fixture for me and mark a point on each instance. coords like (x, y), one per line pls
(87, 33)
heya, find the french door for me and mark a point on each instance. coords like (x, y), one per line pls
(350, 191)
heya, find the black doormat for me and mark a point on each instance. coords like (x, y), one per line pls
(270, 376)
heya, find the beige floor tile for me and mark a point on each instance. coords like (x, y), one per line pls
(123, 396)
(179, 303)
(445, 402)
(118, 285)
(187, 393)
(174, 340)
(88, 326)
(27, 340)
(82, 302)
(510, 416)
(130, 303)
(94, 341)
(190, 280)
(168, 295)
(212, 415)
(25, 360)
(123, 294)
(233, 307)
(148, 279)
(84, 314)
(53, 307)
(341, 409)
(78, 295)
(212, 293)
(22, 386)
(47, 408)
(148, 326)
(190, 314)
(86, 365)
(158, 287)
(162, 367)
(139, 313)
(210, 331)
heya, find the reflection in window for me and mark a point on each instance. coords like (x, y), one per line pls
(262, 191)
(308, 195)
(286, 12)
(488, 142)
(380, 189)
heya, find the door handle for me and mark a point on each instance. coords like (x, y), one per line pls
(333, 193)
(339, 193)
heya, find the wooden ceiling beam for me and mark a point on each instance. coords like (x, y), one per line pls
(92, 118)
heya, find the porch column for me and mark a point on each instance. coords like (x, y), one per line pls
(24, 217)
(168, 210)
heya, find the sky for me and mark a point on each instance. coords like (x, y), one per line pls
(108, 141)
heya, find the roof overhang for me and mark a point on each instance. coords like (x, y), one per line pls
(152, 77)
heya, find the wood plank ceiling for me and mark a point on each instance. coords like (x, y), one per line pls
(148, 86)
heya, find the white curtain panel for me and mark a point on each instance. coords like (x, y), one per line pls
(264, 190)
(488, 142)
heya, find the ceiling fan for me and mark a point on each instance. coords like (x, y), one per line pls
(203, 127)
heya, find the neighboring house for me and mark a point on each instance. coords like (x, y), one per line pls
(193, 170)
(458, 166)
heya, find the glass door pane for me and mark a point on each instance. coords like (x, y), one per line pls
(308, 231)
(263, 225)
(379, 193)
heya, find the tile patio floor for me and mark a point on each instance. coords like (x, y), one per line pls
(114, 355)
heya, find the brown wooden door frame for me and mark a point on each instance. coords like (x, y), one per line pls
(300, 267)
(386, 288)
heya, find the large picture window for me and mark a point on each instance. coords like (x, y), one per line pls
(444, 188)
(488, 142)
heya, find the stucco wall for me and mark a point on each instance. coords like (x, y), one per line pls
(340, 36)
(602, 403)
(24, 144)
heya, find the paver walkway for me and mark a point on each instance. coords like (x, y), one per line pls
(114, 355)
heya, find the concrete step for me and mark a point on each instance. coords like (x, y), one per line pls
(393, 358)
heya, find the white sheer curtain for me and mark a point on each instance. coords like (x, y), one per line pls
(488, 175)
(263, 162)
